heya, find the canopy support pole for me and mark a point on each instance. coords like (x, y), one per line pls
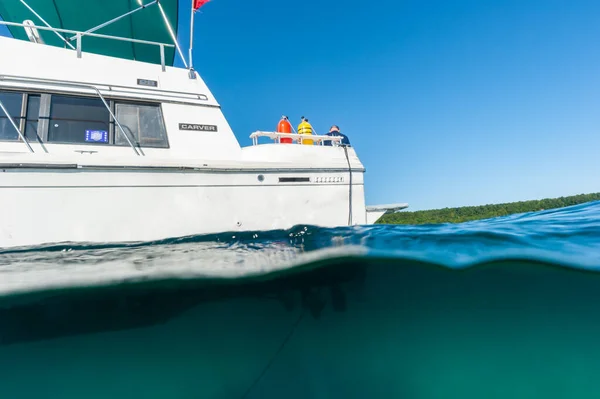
(116, 19)
(47, 24)
(162, 11)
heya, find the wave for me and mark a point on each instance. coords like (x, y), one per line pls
(568, 237)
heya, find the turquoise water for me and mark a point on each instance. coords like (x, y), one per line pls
(503, 308)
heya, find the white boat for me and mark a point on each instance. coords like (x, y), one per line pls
(102, 139)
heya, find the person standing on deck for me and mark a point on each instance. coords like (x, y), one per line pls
(335, 131)
(305, 128)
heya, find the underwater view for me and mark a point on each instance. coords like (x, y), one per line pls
(499, 308)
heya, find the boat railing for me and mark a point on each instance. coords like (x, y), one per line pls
(277, 136)
(68, 84)
(116, 90)
(79, 36)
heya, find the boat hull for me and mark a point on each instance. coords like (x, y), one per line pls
(46, 205)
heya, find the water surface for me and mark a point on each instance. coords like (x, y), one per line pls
(503, 308)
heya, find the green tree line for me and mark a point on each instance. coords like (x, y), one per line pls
(467, 213)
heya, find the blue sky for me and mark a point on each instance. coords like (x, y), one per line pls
(447, 103)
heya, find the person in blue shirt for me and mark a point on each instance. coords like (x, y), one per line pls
(335, 131)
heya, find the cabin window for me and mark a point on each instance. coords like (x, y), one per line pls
(143, 123)
(78, 120)
(13, 103)
(67, 119)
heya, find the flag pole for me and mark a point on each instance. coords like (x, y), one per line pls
(191, 62)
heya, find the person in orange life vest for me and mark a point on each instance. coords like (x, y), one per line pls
(284, 126)
(305, 128)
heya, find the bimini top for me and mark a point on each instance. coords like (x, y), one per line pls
(81, 15)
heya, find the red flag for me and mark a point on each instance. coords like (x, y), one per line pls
(199, 3)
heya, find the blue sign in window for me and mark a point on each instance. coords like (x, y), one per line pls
(96, 136)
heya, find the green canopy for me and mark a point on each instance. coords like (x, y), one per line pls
(81, 15)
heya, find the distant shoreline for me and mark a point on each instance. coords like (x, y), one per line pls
(469, 213)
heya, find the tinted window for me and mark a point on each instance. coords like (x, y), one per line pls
(12, 102)
(78, 120)
(33, 115)
(143, 122)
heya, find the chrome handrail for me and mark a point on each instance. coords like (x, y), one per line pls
(278, 135)
(15, 126)
(79, 36)
(89, 86)
(127, 89)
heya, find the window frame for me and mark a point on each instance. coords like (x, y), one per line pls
(113, 104)
(75, 96)
(24, 117)
(20, 122)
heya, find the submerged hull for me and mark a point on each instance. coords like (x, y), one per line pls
(75, 204)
